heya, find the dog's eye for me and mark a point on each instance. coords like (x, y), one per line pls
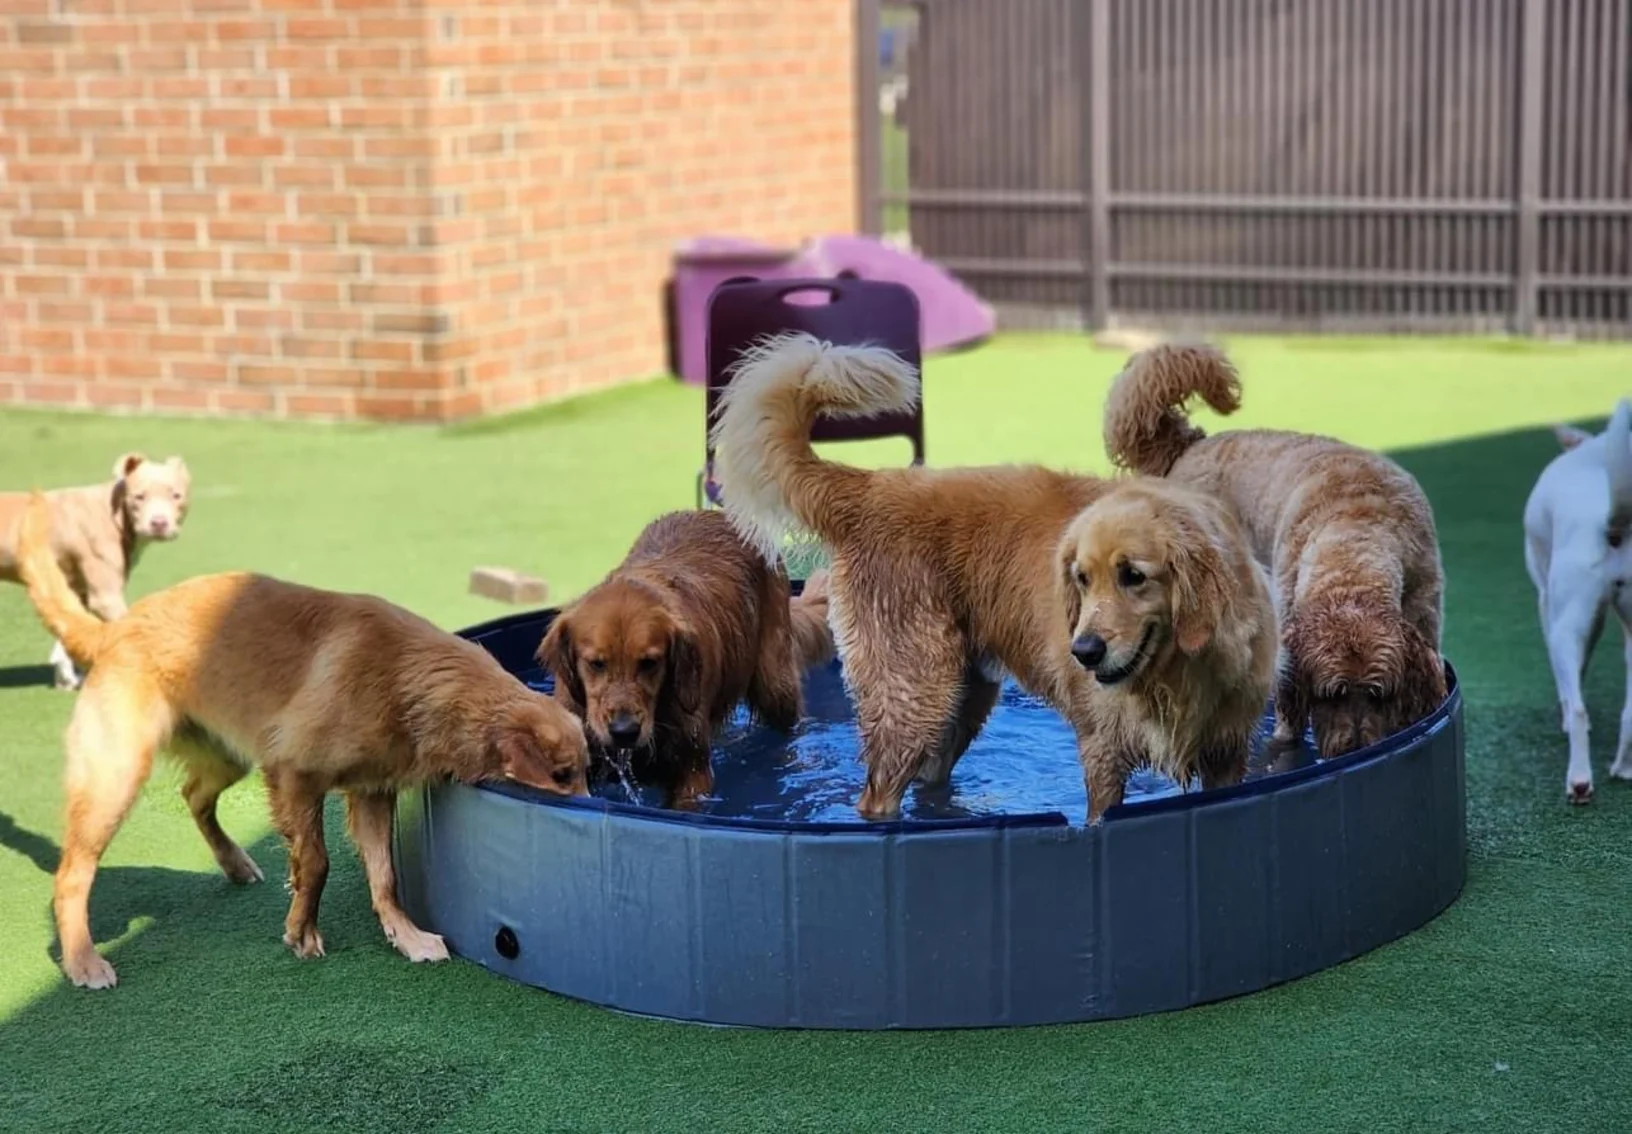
(647, 666)
(139, 497)
(1082, 578)
(1614, 539)
(596, 665)
(562, 776)
(1128, 575)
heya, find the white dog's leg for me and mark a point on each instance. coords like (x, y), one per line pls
(1621, 769)
(1568, 633)
(66, 676)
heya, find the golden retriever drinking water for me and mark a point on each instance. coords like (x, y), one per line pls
(321, 691)
(1133, 608)
(688, 625)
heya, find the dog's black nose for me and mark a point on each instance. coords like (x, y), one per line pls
(1089, 650)
(624, 730)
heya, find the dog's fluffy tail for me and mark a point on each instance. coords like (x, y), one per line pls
(812, 634)
(1146, 429)
(772, 481)
(1618, 463)
(80, 632)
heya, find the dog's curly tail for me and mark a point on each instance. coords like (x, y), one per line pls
(80, 632)
(772, 482)
(1146, 429)
(1618, 463)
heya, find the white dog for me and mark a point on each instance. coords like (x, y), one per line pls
(1578, 547)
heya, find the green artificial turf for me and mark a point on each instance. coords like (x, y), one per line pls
(1512, 1011)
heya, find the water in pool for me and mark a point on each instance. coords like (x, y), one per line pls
(1023, 762)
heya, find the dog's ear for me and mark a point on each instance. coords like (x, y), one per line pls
(518, 751)
(127, 464)
(179, 467)
(1200, 590)
(1422, 686)
(1291, 680)
(685, 670)
(558, 654)
(1569, 436)
(1065, 577)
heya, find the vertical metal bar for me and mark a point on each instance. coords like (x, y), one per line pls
(1531, 45)
(1097, 147)
(869, 132)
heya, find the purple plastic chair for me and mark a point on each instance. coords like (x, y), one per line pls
(857, 312)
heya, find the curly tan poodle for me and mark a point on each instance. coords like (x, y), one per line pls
(1348, 536)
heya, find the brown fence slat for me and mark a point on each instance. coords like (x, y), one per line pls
(1285, 163)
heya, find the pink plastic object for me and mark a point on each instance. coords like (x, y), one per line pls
(951, 315)
(700, 266)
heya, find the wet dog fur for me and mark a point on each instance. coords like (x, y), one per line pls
(1347, 534)
(99, 531)
(691, 623)
(942, 581)
(321, 691)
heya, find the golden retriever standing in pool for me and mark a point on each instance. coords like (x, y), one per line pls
(321, 691)
(1348, 536)
(1134, 609)
(691, 623)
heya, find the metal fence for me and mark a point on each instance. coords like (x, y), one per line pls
(1301, 164)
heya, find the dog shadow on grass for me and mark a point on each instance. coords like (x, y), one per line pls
(200, 964)
(26, 676)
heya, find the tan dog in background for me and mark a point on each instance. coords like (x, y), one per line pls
(1348, 536)
(321, 691)
(656, 656)
(97, 533)
(944, 580)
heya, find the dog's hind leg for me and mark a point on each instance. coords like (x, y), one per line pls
(908, 697)
(1621, 769)
(979, 699)
(63, 673)
(1569, 632)
(116, 727)
(209, 773)
(775, 692)
(369, 816)
(297, 812)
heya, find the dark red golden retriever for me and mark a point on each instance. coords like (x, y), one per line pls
(658, 654)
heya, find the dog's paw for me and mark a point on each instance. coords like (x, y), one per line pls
(91, 970)
(306, 943)
(240, 868)
(1621, 769)
(420, 946)
(1578, 792)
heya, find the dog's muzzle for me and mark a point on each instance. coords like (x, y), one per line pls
(1091, 653)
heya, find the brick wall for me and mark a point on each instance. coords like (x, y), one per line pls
(390, 210)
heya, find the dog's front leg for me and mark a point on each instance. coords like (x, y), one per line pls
(1106, 779)
(696, 780)
(369, 815)
(297, 811)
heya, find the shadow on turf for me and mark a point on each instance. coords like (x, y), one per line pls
(197, 945)
(25, 676)
(216, 1026)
